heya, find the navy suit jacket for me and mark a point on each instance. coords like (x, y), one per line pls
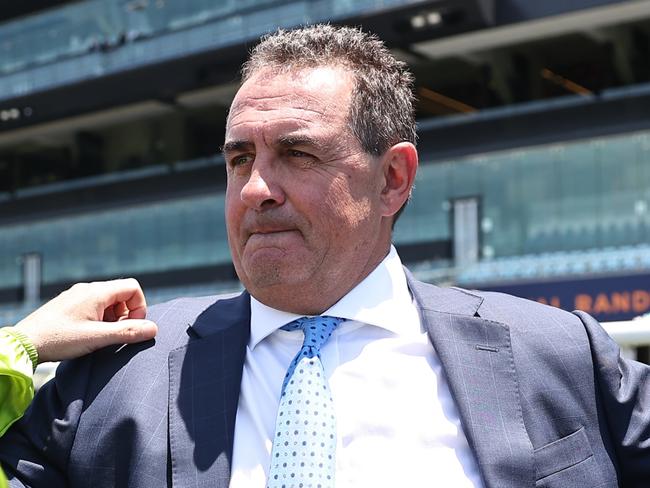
(544, 399)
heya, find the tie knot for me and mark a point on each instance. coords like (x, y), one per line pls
(316, 329)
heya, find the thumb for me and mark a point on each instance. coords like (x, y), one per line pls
(85, 337)
(126, 331)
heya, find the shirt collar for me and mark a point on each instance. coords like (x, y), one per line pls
(382, 299)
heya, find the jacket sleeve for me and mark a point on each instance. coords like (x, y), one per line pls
(16, 386)
(624, 387)
(35, 451)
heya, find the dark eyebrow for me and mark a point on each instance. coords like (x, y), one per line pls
(283, 141)
(237, 145)
(298, 140)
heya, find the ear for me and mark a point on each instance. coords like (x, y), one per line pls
(399, 164)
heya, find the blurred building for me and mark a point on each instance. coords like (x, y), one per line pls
(533, 123)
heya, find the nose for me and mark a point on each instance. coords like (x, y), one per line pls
(261, 191)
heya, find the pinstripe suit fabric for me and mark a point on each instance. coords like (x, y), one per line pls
(544, 399)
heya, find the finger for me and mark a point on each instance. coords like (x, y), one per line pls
(124, 290)
(121, 311)
(109, 315)
(115, 312)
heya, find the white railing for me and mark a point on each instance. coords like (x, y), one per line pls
(631, 333)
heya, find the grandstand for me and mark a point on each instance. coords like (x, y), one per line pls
(533, 126)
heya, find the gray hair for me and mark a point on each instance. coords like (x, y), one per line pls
(381, 108)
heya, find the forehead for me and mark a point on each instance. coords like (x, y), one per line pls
(296, 97)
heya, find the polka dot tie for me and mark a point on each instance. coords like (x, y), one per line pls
(304, 446)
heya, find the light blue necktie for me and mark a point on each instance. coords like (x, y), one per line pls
(304, 446)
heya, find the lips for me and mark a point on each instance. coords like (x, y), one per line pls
(269, 234)
(268, 225)
(270, 230)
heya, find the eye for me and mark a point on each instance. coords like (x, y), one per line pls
(240, 160)
(294, 153)
(300, 158)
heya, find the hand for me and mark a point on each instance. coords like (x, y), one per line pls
(87, 317)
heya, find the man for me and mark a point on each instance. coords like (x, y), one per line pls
(417, 385)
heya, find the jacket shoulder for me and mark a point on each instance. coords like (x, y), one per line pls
(494, 306)
(177, 315)
(517, 311)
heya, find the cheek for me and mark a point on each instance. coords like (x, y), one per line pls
(233, 197)
(233, 212)
(352, 204)
(343, 218)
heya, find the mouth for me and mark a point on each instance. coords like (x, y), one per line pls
(269, 230)
(268, 233)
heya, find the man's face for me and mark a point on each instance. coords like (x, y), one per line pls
(303, 205)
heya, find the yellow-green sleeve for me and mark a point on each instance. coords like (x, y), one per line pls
(17, 361)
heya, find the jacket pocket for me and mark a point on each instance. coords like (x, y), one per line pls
(562, 454)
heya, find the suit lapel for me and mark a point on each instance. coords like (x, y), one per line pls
(204, 384)
(477, 358)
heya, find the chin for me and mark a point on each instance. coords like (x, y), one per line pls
(263, 273)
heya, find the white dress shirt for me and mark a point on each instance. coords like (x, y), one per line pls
(397, 424)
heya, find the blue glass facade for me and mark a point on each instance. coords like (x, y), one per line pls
(588, 194)
(570, 196)
(81, 41)
(548, 213)
(154, 237)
